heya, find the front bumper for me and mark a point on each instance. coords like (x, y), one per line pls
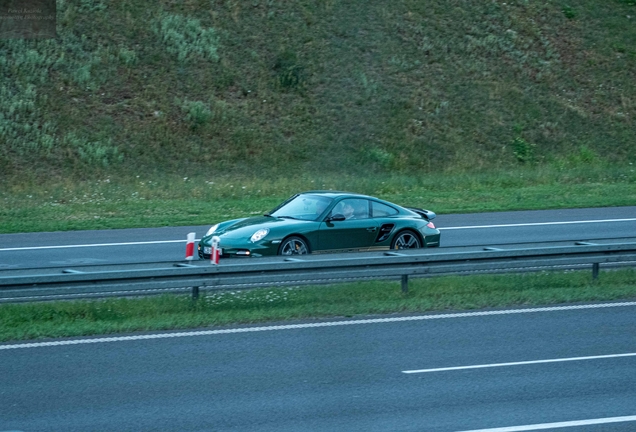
(230, 249)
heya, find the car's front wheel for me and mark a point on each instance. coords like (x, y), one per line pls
(293, 246)
(406, 240)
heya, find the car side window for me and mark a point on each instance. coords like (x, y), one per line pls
(352, 208)
(382, 210)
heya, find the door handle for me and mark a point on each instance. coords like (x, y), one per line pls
(372, 229)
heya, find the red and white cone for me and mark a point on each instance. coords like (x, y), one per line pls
(216, 250)
(190, 247)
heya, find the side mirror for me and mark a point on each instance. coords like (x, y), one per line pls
(336, 218)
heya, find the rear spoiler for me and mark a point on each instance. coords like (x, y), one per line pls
(426, 214)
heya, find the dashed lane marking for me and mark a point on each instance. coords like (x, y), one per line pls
(519, 363)
(566, 424)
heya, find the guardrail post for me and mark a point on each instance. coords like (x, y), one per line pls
(405, 283)
(595, 271)
(195, 292)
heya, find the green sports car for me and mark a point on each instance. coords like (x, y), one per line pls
(324, 221)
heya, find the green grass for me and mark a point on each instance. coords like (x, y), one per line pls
(172, 201)
(82, 318)
(273, 88)
(455, 106)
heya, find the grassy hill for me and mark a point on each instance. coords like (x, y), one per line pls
(440, 91)
(276, 87)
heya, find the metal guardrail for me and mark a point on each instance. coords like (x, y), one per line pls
(144, 279)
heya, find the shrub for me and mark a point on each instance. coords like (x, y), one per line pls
(127, 57)
(568, 12)
(197, 113)
(95, 153)
(523, 150)
(290, 73)
(584, 156)
(187, 39)
(380, 156)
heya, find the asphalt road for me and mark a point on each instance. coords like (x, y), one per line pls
(388, 374)
(168, 244)
(570, 366)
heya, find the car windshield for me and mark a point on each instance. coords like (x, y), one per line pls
(303, 207)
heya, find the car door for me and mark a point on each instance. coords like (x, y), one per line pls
(357, 231)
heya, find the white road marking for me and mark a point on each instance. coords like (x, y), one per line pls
(94, 245)
(530, 362)
(559, 424)
(313, 325)
(538, 224)
(196, 240)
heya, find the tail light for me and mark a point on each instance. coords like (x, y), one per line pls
(430, 225)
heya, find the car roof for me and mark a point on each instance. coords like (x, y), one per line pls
(340, 194)
(335, 194)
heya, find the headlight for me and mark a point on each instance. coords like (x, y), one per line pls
(212, 229)
(258, 235)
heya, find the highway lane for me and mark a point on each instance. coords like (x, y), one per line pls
(168, 244)
(344, 375)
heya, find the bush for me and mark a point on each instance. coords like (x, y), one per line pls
(97, 153)
(290, 73)
(568, 12)
(523, 150)
(187, 39)
(197, 113)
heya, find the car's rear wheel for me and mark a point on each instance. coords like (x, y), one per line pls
(406, 240)
(293, 246)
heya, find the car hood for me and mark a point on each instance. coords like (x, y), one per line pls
(247, 227)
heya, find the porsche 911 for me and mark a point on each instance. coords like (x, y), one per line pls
(321, 222)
